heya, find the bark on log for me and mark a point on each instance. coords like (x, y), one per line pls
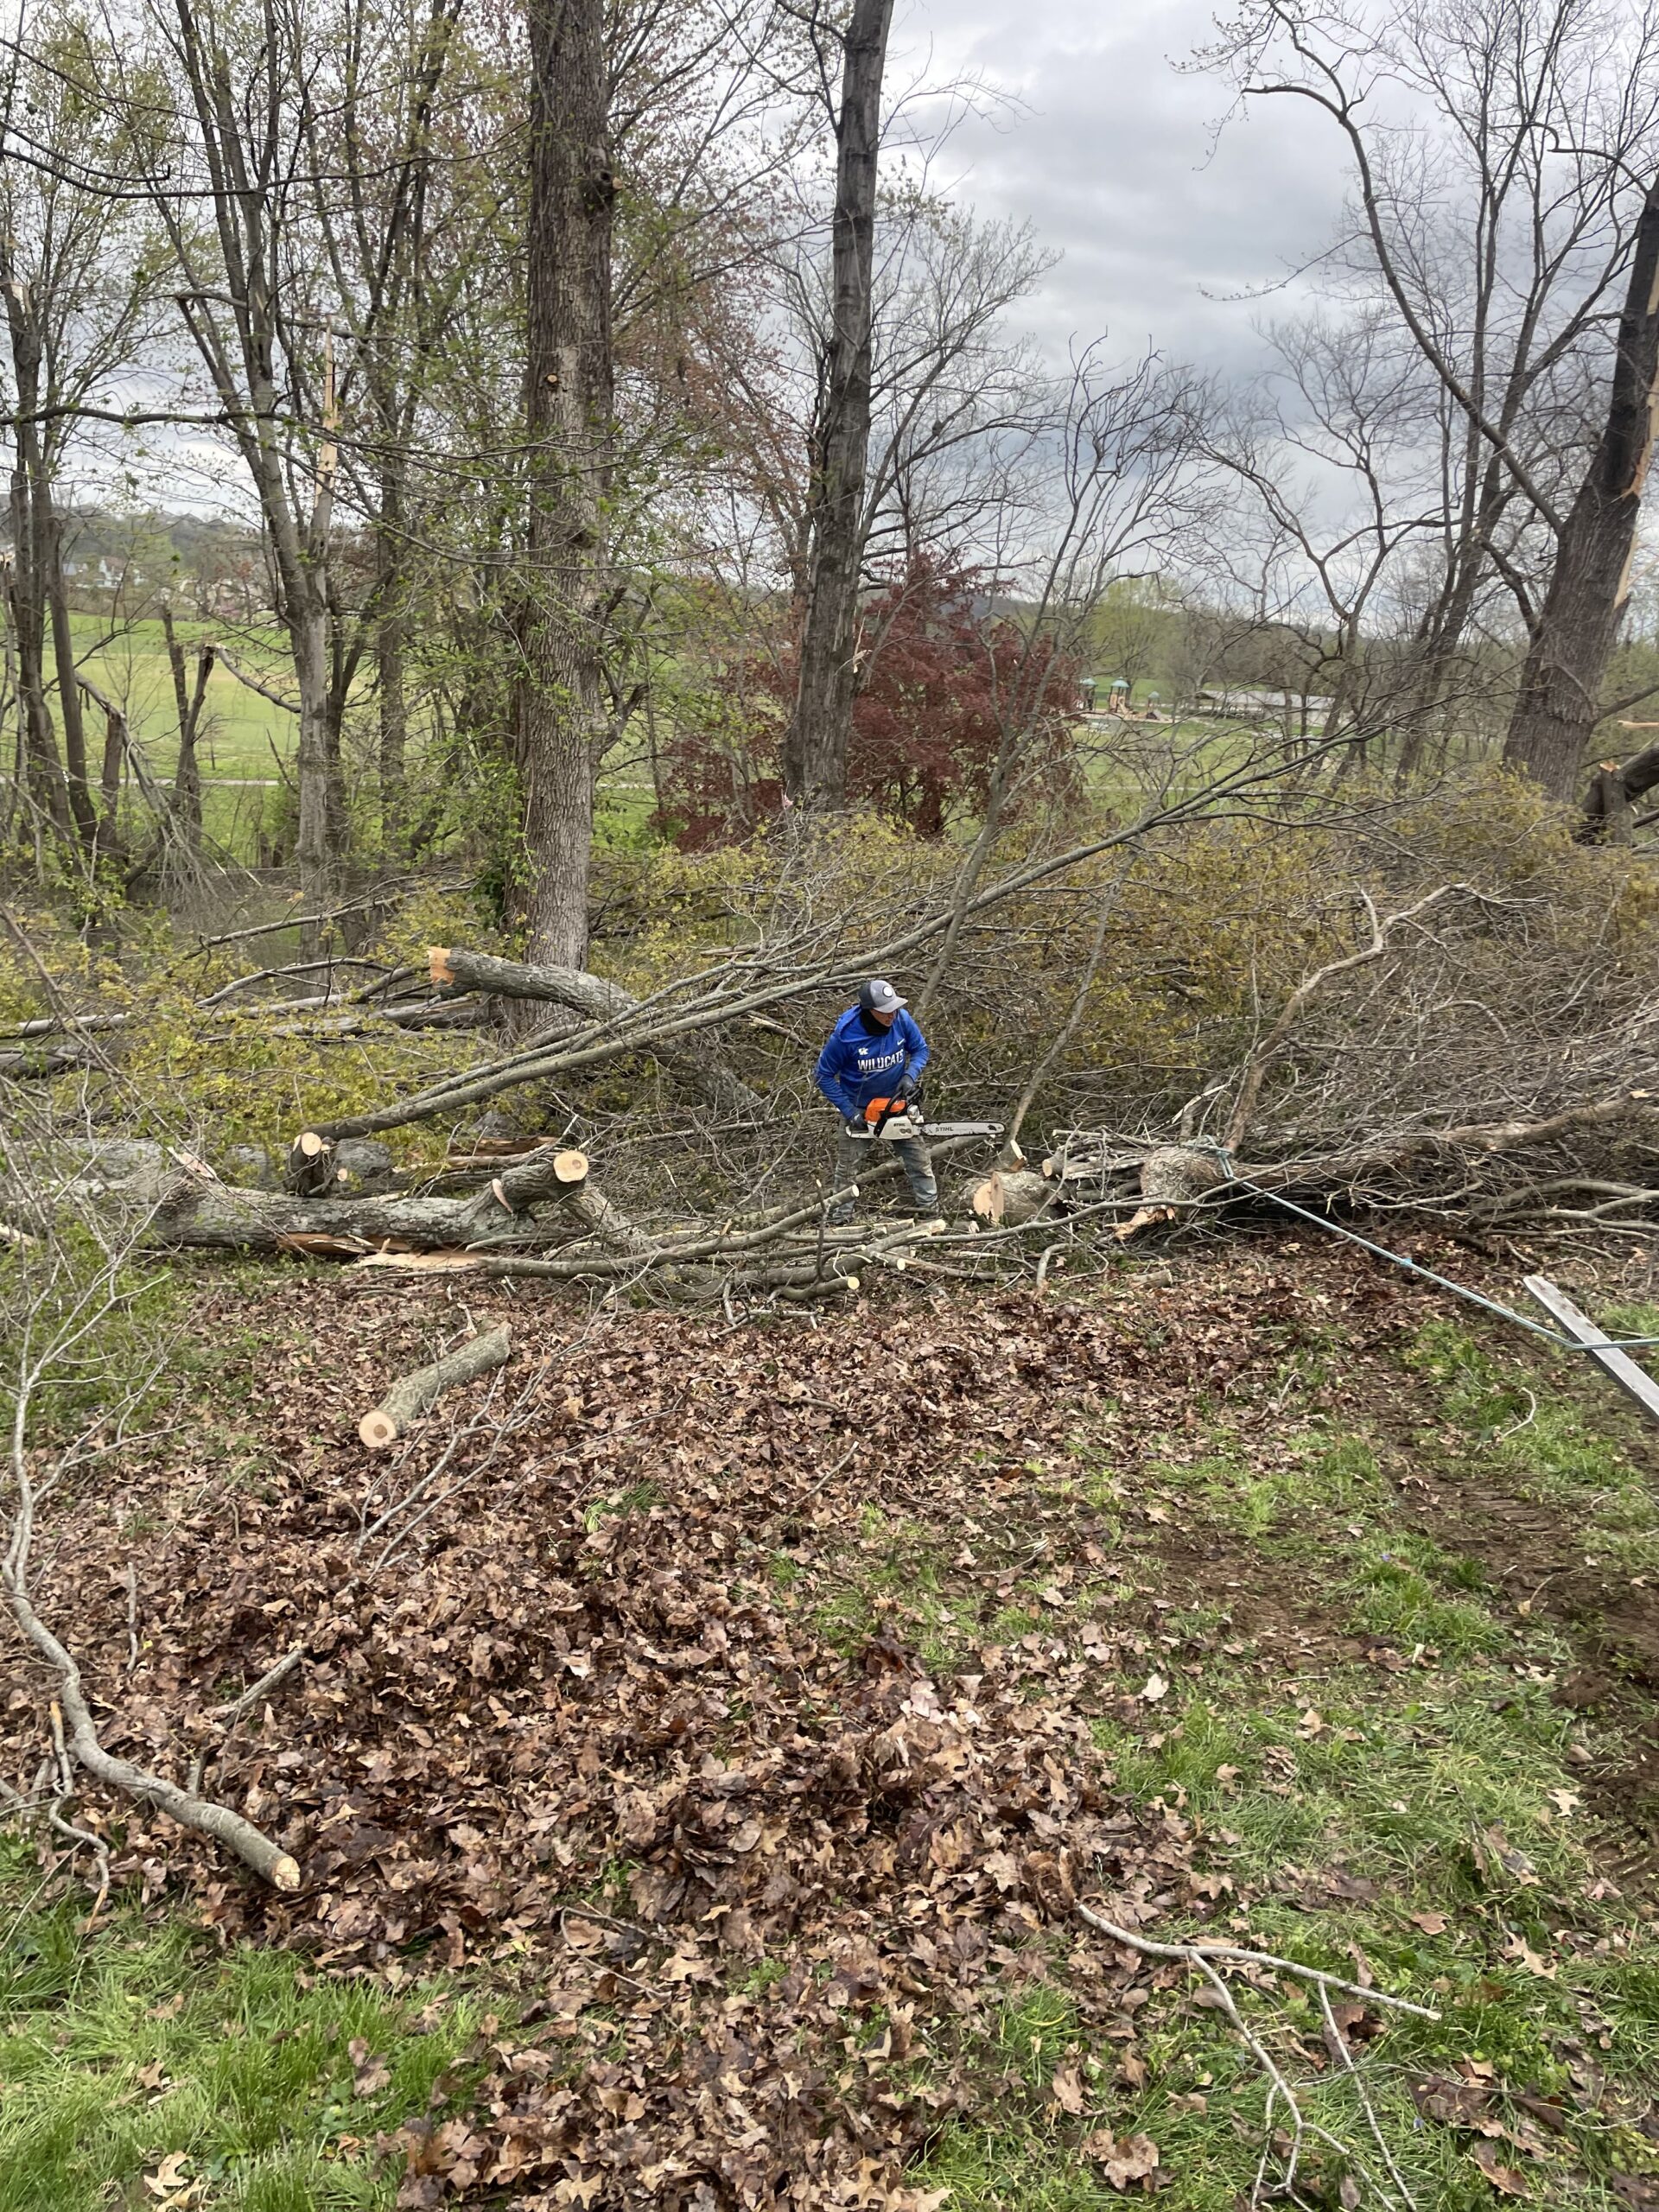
(545, 1175)
(1012, 1196)
(407, 1399)
(454, 968)
(1609, 802)
(310, 1165)
(195, 1211)
(40, 1060)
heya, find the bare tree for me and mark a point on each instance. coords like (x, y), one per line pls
(1560, 705)
(814, 748)
(80, 278)
(1494, 150)
(570, 403)
(249, 298)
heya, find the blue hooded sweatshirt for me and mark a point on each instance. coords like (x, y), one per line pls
(863, 1061)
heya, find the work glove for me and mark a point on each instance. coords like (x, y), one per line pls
(910, 1089)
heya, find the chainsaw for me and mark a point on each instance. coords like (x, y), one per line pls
(898, 1118)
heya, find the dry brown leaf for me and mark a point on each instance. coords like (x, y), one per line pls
(1432, 1923)
(1504, 2179)
(1066, 2089)
(171, 2186)
(1120, 2163)
(370, 2073)
(1518, 1949)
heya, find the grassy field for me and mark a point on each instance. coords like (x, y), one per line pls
(245, 740)
(247, 743)
(1357, 1606)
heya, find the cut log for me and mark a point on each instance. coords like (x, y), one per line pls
(1008, 1198)
(183, 1211)
(406, 1400)
(542, 1174)
(364, 1169)
(1173, 1178)
(310, 1165)
(1177, 1174)
(454, 968)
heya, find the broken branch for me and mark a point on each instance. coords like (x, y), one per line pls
(406, 1400)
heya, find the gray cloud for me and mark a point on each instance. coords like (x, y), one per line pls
(1111, 154)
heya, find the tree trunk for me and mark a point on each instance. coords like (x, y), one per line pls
(44, 763)
(568, 404)
(30, 524)
(394, 728)
(390, 688)
(314, 845)
(702, 1065)
(1559, 707)
(63, 653)
(820, 728)
(188, 703)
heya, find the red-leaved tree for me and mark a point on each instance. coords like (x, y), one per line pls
(943, 681)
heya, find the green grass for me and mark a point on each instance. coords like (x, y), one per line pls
(1401, 1793)
(1421, 1813)
(247, 744)
(1550, 1444)
(132, 2044)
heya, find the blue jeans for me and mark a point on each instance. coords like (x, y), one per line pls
(855, 1156)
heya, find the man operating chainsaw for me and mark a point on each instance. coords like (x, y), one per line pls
(871, 1072)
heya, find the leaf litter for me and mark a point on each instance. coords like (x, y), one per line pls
(764, 1870)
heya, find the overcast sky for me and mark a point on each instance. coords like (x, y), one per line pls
(1111, 154)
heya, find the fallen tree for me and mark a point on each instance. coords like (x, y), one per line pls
(541, 1204)
(817, 953)
(594, 1001)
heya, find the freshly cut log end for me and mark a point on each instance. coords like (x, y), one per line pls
(437, 962)
(1142, 1218)
(285, 1874)
(407, 1399)
(570, 1166)
(1011, 1197)
(310, 1165)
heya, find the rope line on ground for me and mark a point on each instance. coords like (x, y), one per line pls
(1416, 1266)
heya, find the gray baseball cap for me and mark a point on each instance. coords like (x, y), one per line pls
(877, 996)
